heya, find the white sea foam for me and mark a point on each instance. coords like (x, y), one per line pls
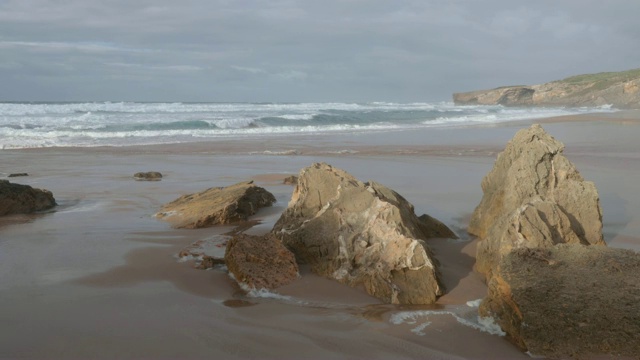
(484, 324)
(474, 303)
(26, 125)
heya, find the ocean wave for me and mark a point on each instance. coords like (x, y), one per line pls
(25, 125)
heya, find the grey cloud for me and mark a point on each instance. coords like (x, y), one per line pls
(286, 50)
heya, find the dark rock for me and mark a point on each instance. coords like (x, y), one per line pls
(18, 174)
(148, 176)
(23, 199)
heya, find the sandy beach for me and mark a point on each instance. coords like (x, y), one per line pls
(98, 276)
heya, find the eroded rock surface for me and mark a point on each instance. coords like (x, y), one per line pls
(23, 199)
(260, 262)
(568, 300)
(216, 206)
(361, 234)
(533, 197)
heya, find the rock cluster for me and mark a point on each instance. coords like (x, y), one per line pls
(260, 262)
(533, 197)
(216, 206)
(550, 289)
(361, 234)
(23, 199)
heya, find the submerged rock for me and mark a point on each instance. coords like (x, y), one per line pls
(148, 176)
(18, 174)
(23, 199)
(361, 234)
(216, 206)
(533, 197)
(568, 300)
(290, 180)
(206, 253)
(260, 262)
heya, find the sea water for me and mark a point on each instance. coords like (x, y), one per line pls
(28, 125)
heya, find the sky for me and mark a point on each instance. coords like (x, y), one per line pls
(304, 51)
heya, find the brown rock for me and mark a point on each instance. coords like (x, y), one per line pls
(148, 176)
(23, 199)
(260, 262)
(361, 234)
(290, 180)
(533, 197)
(216, 206)
(568, 300)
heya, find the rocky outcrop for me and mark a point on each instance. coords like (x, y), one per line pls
(533, 197)
(568, 300)
(260, 262)
(148, 176)
(620, 89)
(23, 199)
(216, 206)
(361, 234)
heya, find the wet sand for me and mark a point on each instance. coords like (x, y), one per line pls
(98, 276)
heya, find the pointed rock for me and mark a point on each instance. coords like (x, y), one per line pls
(361, 234)
(533, 197)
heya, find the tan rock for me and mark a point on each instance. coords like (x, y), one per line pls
(568, 300)
(216, 206)
(23, 199)
(260, 262)
(533, 197)
(361, 234)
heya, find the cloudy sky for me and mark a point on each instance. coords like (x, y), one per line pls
(306, 50)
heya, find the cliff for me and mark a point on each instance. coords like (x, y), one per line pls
(620, 89)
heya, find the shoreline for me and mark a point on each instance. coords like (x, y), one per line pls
(100, 270)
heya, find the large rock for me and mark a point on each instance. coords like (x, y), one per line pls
(568, 300)
(23, 199)
(361, 234)
(620, 89)
(260, 262)
(216, 206)
(533, 197)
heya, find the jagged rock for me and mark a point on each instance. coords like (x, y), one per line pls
(23, 199)
(148, 176)
(620, 89)
(258, 262)
(290, 180)
(361, 234)
(18, 174)
(533, 197)
(206, 252)
(568, 300)
(216, 206)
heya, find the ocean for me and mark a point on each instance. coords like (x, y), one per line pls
(90, 124)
